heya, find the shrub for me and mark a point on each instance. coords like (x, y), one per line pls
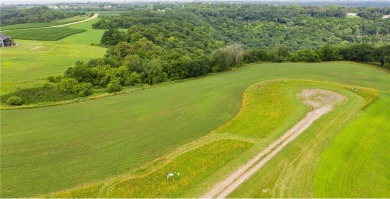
(54, 79)
(133, 79)
(114, 86)
(46, 85)
(66, 85)
(15, 101)
(83, 89)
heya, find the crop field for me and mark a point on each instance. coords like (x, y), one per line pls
(28, 64)
(40, 25)
(98, 146)
(43, 34)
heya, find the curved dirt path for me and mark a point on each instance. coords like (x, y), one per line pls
(320, 101)
(82, 21)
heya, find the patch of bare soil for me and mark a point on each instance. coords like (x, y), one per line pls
(318, 100)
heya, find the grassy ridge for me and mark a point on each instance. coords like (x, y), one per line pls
(44, 34)
(266, 107)
(357, 162)
(106, 137)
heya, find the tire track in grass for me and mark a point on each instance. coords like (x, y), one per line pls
(321, 101)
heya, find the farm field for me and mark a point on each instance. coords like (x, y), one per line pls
(40, 25)
(362, 150)
(31, 62)
(168, 117)
(44, 34)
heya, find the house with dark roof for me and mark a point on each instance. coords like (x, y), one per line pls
(5, 40)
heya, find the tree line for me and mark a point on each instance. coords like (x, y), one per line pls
(166, 43)
(39, 14)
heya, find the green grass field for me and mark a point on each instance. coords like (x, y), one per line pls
(44, 34)
(290, 173)
(29, 64)
(84, 143)
(189, 169)
(357, 163)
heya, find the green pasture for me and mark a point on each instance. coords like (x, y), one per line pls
(290, 173)
(44, 34)
(62, 147)
(356, 164)
(189, 169)
(28, 64)
(267, 107)
(40, 25)
(283, 93)
(110, 13)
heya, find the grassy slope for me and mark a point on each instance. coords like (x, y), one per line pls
(357, 163)
(193, 167)
(290, 173)
(31, 62)
(268, 107)
(281, 89)
(79, 138)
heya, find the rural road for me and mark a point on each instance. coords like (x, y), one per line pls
(62, 25)
(82, 21)
(320, 101)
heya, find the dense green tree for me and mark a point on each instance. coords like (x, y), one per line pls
(358, 52)
(112, 37)
(152, 71)
(305, 55)
(382, 54)
(178, 42)
(39, 14)
(114, 86)
(330, 53)
(222, 59)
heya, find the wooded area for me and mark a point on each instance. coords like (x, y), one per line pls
(170, 42)
(39, 14)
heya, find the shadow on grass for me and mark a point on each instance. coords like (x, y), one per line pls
(39, 95)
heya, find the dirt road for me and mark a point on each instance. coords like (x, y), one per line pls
(62, 25)
(82, 21)
(319, 101)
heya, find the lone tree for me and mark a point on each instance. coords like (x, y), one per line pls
(225, 58)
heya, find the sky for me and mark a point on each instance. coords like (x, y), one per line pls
(7, 2)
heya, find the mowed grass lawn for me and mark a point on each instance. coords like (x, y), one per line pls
(30, 63)
(54, 148)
